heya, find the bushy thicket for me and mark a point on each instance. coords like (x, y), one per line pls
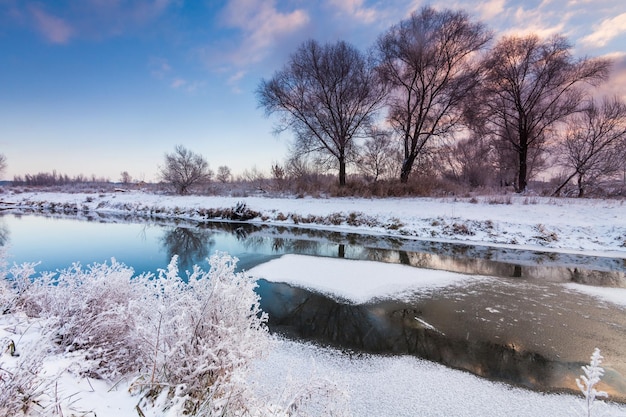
(53, 178)
(189, 338)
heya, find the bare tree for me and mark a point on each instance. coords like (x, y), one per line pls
(594, 143)
(223, 174)
(427, 62)
(327, 94)
(530, 86)
(378, 157)
(126, 178)
(3, 163)
(184, 168)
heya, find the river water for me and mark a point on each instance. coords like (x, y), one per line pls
(521, 325)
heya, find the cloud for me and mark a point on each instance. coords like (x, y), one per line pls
(90, 19)
(355, 9)
(53, 28)
(178, 83)
(261, 25)
(182, 84)
(159, 67)
(233, 81)
(616, 85)
(606, 31)
(490, 9)
(541, 21)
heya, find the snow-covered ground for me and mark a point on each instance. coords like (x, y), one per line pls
(373, 386)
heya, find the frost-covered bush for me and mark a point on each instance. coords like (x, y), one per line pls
(191, 338)
(15, 287)
(205, 332)
(93, 310)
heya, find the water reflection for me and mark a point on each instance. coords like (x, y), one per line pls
(4, 232)
(192, 246)
(399, 328)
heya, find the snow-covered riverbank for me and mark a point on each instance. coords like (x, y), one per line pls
(582, 225)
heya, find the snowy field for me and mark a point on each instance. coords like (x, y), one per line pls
(362, 385)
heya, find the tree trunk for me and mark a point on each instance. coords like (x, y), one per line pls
(342, 172)
(405, 171)
(557, 192)
(581, 187)
(523, 167)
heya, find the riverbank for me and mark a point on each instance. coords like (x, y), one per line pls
(570, 225)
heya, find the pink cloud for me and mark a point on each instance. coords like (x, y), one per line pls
(355, 9)
(262, 24)
(606, 31)
(53, 28)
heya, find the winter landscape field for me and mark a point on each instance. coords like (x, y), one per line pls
(270, 375)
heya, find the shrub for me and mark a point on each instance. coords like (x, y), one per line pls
(587, 382)
(191, 338)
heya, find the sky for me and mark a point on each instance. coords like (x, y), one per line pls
(97, 87)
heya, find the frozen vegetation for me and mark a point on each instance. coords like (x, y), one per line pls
(101, 341)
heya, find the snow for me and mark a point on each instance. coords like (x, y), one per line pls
(374, 385)
(407, 386)
(356, 281)
(612, 295)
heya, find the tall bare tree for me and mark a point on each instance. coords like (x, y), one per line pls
(184, 168)
(327, 94)
(594, 145)
(427, 61)
(531, 85)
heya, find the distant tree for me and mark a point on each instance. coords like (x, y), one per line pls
(278, 172)
(3, 163)
(426, 60)
(255, 177)
(278, 175)
(126, 178)
(184, 168)
(530, 86)
(594, 145)
(377, 158)
(327, 94)
(223, 174)
(470, 161)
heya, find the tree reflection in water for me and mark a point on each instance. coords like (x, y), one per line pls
(191, 245)
(4, 232)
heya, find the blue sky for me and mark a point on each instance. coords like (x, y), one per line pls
(104, 86)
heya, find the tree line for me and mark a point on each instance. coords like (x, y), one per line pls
(435, 89)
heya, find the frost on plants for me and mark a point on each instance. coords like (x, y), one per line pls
(190, 339)
(204, 333)
(20, 384)
(587, 382)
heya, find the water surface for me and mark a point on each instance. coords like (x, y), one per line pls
(521, 325)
